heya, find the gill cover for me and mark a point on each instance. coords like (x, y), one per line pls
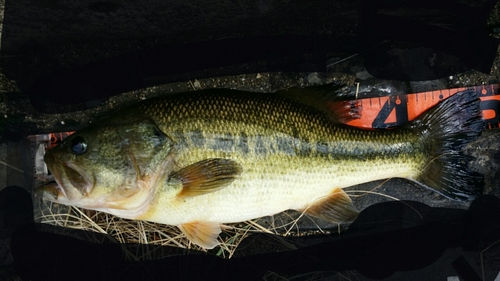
(106, 163)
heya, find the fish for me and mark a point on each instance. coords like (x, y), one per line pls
(199, 160)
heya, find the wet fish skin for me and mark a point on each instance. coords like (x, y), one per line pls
(197, 160)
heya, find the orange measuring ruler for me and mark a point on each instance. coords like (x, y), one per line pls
(56, 138)
(391, 111)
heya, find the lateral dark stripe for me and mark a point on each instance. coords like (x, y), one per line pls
(197, 138)
(260, 147)
(305, 148)
(224, 143)
(243, 143)
(285, 145)
(322, 148)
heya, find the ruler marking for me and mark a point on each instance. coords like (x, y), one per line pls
(490, 102)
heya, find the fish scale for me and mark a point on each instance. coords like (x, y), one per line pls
(293, 120)
(198, 160)
(332, 153)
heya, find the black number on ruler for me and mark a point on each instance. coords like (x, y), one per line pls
(491, 105)
(394, 103)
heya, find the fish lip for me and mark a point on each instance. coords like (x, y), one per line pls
(50, 160)
(89, 184)
(65, 185)
(49, 191)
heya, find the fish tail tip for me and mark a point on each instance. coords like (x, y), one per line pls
(447, 129)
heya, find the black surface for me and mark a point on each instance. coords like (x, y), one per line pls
(172, 63)
(52, 56)
(387, 237)
(78, 53)
(427, 39)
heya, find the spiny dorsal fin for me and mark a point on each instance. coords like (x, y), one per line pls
(336, 207)
(203, 234)
(206, 176)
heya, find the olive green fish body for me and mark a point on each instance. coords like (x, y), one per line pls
(200, 159)
(290, 155)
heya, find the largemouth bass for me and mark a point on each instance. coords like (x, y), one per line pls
(201, 159)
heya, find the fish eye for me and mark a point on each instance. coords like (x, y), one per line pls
(78, 145)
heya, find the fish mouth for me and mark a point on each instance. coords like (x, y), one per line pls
(49, 191)
(72, 183)
(77, 179)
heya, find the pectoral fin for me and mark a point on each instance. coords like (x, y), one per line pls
(336, 207)
(206, 176)
(203, 234)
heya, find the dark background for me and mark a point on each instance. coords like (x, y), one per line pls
(65, 63)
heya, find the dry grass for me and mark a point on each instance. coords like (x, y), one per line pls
(156, 235)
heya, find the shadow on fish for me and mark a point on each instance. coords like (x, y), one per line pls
(201, 159)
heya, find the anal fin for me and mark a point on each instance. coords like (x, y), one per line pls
(336, 207)
(203, 234)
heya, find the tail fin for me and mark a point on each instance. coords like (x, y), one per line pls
(446, 129)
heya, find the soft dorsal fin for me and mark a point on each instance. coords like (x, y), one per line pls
(325, 98)
(206, 176)
(203, 234)
(336, 207)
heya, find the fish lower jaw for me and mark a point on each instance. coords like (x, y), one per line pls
(129, 211)
(126, 212)
(130, 214)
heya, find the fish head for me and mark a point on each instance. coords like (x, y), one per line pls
(114, 165)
